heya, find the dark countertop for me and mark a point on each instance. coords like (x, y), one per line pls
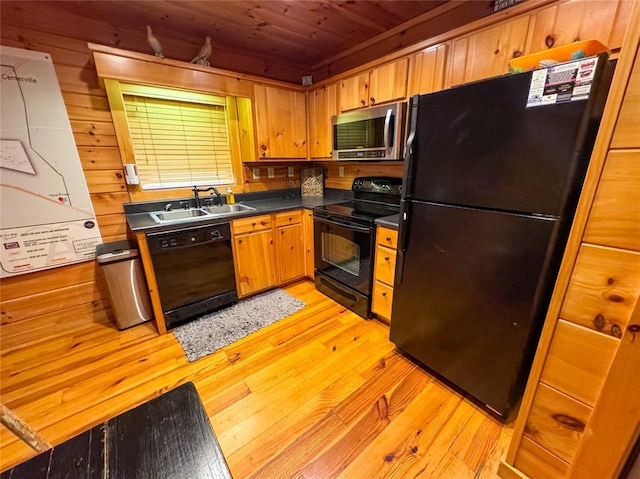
(168, 437)
(139, 220)
(389, 221)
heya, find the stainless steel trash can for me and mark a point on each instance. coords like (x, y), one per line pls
(128, 292)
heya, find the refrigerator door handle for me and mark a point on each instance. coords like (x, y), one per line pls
(387, 129)
(407, 183)
(402, 240)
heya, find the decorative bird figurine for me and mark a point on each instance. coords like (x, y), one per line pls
(205, 51)
(154, 43)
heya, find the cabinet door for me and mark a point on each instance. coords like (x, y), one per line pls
(255, 265)
(290, 252)
(323, 104)
(354, 92)
(428, 70)
(281, 122)
(388, 82)
(577, 20)
(487, 53)
(307, 226)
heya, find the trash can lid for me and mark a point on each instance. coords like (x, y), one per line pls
(115, 251)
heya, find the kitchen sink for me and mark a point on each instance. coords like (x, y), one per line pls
(165, 216)
(204, 212)
(227, 209)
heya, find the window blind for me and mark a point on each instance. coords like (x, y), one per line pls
(179, 143)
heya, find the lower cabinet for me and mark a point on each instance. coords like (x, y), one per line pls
(289, 245)
(309, 258)
(384, 273)
(253, 254)
(268, 250)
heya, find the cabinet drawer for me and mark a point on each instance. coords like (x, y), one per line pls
(538, 463)
(387, 237)
(578, 361)
(385, 265)
(249, 225)
(382, 299)
(288, 218)
(557, 422)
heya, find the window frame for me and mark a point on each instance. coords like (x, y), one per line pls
(116, 89)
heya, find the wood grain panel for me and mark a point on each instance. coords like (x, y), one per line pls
(603, 290)
(578, 361)
(109, 203)
(254, 258)
(93, 133)
(251, 224)
(288, 218)
(387, 237)
(102, 158)
(290, 251)
(382, 299)
(428, 70)
(322, 104)
(354, 92)
(309, 261)
(113, 225)
(627, 132)
(538, 463)
(105, 181)
(615, 215)
(557, 422)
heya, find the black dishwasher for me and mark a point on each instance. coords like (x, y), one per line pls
(194, 270)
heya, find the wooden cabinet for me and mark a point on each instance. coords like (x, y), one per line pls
(323, 104)
(289, 245)
(384, 272)
(428, 70)
(309, 258)
(487, 53)
(281, 123)
(383, 84)
(253, 254)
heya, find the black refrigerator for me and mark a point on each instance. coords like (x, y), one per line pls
(491, 180)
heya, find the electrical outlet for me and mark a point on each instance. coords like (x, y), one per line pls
(340, 171)
(290, 171)
(270, 173)
(256, 173)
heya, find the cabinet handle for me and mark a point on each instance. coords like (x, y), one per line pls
(239, 241)
(290, 218)
(386, 258)
(253, 224)
(281, 232)
(384, 293)
(373, 100)
(389, 239)
(362, 102)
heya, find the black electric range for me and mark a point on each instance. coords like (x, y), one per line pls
(344, 241)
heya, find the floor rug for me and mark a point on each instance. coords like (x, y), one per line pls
(209, 333)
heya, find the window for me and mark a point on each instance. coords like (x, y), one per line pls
(179, 138)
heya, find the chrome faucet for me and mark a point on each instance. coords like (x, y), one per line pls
(203, 190)
(167, 207)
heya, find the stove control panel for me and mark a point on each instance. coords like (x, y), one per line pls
(377, 184)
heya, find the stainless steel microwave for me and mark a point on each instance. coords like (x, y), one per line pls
(375, 133)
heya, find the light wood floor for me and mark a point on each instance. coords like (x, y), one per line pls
(320, 394)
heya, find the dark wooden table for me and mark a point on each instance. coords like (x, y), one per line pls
(169, 437)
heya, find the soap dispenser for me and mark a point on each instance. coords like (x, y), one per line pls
(231, 198)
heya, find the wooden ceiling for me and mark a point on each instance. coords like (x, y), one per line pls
(302, 36)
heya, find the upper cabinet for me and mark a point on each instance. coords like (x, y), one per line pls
(577, 20)
(383, 84)
(323, 104)
(428, 70)
(281, 123)
(487, 53)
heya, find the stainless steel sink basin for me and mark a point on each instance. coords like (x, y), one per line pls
(165, 216)
(193, 213)
(227, 209)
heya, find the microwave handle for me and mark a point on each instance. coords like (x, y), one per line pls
(387, 129)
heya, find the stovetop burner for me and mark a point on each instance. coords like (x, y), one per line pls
(360, 210)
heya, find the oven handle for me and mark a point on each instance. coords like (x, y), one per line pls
(345, 224)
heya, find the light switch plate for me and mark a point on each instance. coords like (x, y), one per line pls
(290, 171)
(340, 171)
(270, 172)
(256, 173)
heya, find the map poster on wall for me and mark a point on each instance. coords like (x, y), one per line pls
(47, 218)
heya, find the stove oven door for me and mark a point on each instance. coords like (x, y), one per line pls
(344, 252)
